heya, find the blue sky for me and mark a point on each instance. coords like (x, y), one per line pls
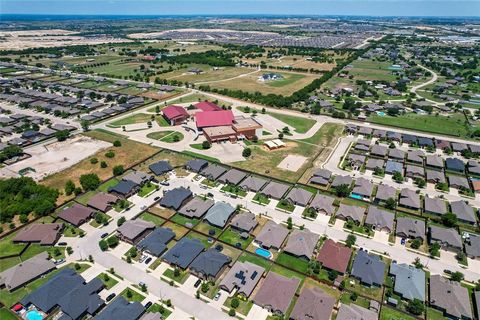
(219, 7)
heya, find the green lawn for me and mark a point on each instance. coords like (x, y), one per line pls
(262, 199)
(6, 314)
(156, 308)
(388, 313)
(285, 205)
(159, 135)
(292, 262)
(434, 314)
(147, 216)
(135, 295)
(205, 228)
(110, 183)
(200, 156)
(104, 216)
(84, 198)
(162, 122)
(259, 261)
(109, 282)
(453, 125)
(232, 237)
(7, 263)
(183, 220)
(234, 190)
(243, 308)
(300, 124)
(169, 273)
(346, 298)
(173, 138)
(286, 272)
(203, 239)
(7, 247)
(146, 189)
(371, 292)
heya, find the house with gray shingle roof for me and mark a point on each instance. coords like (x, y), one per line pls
(272, 235)
(299, 196)
(156, 242)
(196, 165)
(324, 204)
(275, 190)
(463, 211)
(472, 246)
(450, 297)
(244, 221)
(378, 150)
(379, 219)
(176, 198)
(341, 180)
(385, 192)
(321, 177)
(138, 177)
(434, 161)
(435, 206)
(213, 172)
(368, 268)
(196, 207)
(276, 293)
(313, 304)
(409, 281)
(414, 172)
(243, 276)
(434, 176)
(373, 164)
(409, 199)
(458, 182)
(356, 160)
(348, 212)
(301, 243)
(393, 166)
(363, 188)
(415, 156)
(184, 252)
(396, 154)
(160, 167)
(209, 264)
(353, 311)
(219, 214)
(448, 238)
(232, 176)
(253, 183)
(133, 231)
(120, 307)
(410, 228)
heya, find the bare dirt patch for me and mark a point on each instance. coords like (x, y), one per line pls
(292, 162)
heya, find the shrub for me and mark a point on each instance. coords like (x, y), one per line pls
(117, 143)
(118, 170)
(93, 160)
(89, 181)
(247, 152)
(110, 154)
(234, 303)
(103, 164)
(206, 145)
(103, 245)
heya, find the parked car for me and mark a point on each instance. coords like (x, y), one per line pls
(165, 183)
(156, 198)
(143, 207)
(60, 261)
(141, 284)
(110, 296)
(149, 303)
(402, 242)
(104, 235)
(217, 296)
(62, 243)
(142, 258)
(197, 283)
(148, 260)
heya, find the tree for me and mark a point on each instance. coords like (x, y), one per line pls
(204, 287)
(417, 263)
(69, 187)
(390, 203)
(129, 259)
(354, 296)
(449, 219)
(117, 143)
(103, 245)
(129, 293)
(435, 249)
(112, 241)
(143, 287)
(289, 223)
(421, 183)
(118, 170)
(280, 135)
(457, 276)
(232, 312)
(247, 152)
(415, 307)
(416, 243)
(342, 190)
(121, 221)
(350, 241)
(85, 125)
(397, 176)
(332, 275)
(176, 272)
(103, 164)
(69, 250)
(234, 303)
(93, 160)
(106, 277)
(62, 135)
(206, 144)
(89, 181)
(110, 154)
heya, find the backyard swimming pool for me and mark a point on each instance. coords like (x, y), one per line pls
(33, 315)
(381, 113)
(356, 196)
(263, 253)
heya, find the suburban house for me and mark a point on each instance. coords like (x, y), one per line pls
(138, 177)
(397, 154)
(374, 164)
(379, 219)
(434, 161)
(219, 214)
(272, 235)
(244, 222)
(299, 196)
(124, 189)
(232, 176)
(409, 199)
(356, 160)
(184, 252)
(196, 207)
(160, 167)
(301, 243)
(209, 264)
(213, 172)
(275, 190)
(393, 166)
(196, 165)
(120, 306)
(68, 292)
(409, 281)
(415, 156)
(334, 256)
(454, 164)
(155, 243)
(313, 304)
(363, 189)
(132, 231)
(450, 297)
(385, 192)
(448, 238)
(353, 311)
(378, 150)
(276, 293)
(368, 268)
(244, 277)
(435, 206)
(458, 182)
(463, 211)
(472, 246)
(434, 176)
(176, 198)
(348, 212)
(175, 115)
(26, 271)
(253, 183)
(341, 180)
(76, 214)
(410, 228)
(102, 201)
(323, 204)
(44, 234)
(414, 172)
(321, 177)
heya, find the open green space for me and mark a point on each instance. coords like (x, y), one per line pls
(6, 314)
(107, 280)
(146, 189)
(183, 220)
(292, 262)
(301, 124)
(181, 278)
(259, 261)
(132, 119)
(134, 297)
(233, 237)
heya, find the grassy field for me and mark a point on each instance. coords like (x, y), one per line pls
(300, 124)
(197, 97)
(123, 156)
(453, 125)
(107, 280)
(292, 262)
(166, 136)
(366, 69)
(232, 237)
(169, 273)
(182, 220)
(388, 313)
(135, 118)
(5, 314)
(208, 74)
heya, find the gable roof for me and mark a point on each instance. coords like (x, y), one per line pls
(301, 243)
(76, 214)
(435, 205)
(450, 296)
(244, 221)
(232, 176)
(214, 118)
(363, 187)
(447, 236)
(102, 201)
(385, 192)
(121, 309)
(409, 281)
(160, 167)
(272, 235)
(244, 276)
(350, 211)
(463, 211)
(410, 227)
(44, 234)
(219, 214)
(409, 198)
(276, 292)
(196, 165)
(83, 299)
(196, 207)
(323, 203)
(368, 268)
(275, 189)
(172, 112)
(184, 252)
(210, 263)
(353, 311)
(340, 180)
(207, 106)
(334, 256)
(131, 229)
(213, 171)
(124, 187)
(299, 196)
(156, 242)
(175, 198)
(253, 183)
(454, 164)
(379, 218)
(137, 177)
(313, 304)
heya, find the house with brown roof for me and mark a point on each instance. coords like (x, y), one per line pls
(450, 297)
(385, 192)
(379, 219)
(353, 311)
(301, 243)
(132, 231)
(313, 304)
(347, 212)
(102, 201)
(244, 221)
(76, 214)
(272, 235)
(323, 204)
(276, 293)
(46, 234)
(334, 256)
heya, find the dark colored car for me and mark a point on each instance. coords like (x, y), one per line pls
(148, 260)
(110, 296)
(62, 243)
(149, 303)
(156, 198)
(197, 284)
(104, 235)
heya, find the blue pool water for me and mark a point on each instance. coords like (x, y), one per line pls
(381, 113)
(33, 315)
(356, 196)
(263, 252)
